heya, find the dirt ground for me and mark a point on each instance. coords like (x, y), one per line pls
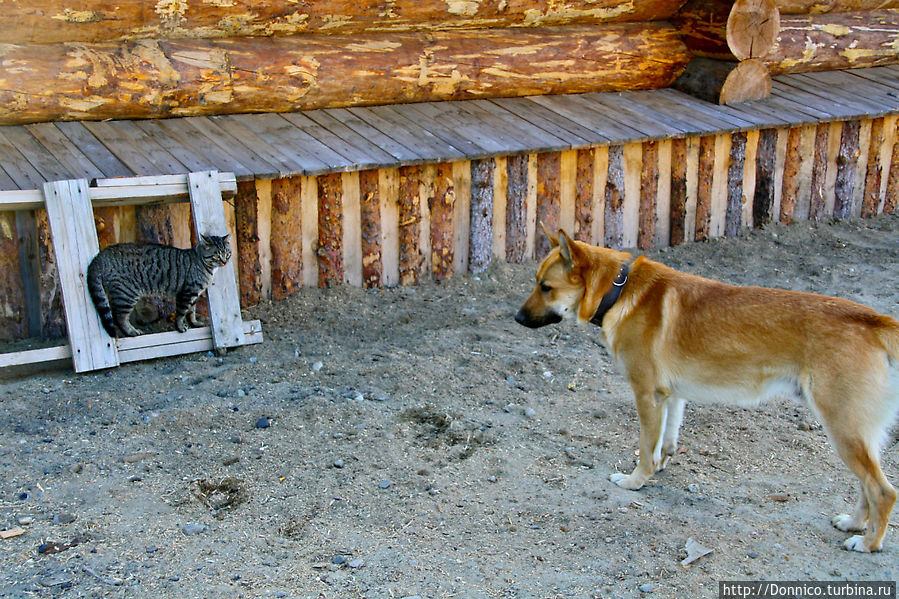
(417, 442)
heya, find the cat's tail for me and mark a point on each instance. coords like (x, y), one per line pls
(101, 301)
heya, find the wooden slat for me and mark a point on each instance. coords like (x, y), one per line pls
(516, 207)
(19, 169)
(224, 299)
(409, 133)
(296, 147)
(373, 152)
(500, 203)
(75, 245)
(480, 240)
(93, 149)
(327, 147)
(46, 164)
(211, 134)
(265, 149)
(370, 209)
(142, 347)
(678, 210)
(426, 188)
(583, 113)
(735, 172)
(123, 148)
(550, 121)
(30, 269)
(636, 114)
(442, 213)
(180, 139)
(329, 248)
(388, 198)
(62, 148)
(309, 234)
(447, 121)
(286, 236)
(523, 131)
(548, 198)
(663, 196)
(567, 190)
(584, 208)
(375, 136)
(461, 215)
(409, 215)
(614, 199)
(649, 188)
(692, 190)
(531, 207)
(352, 230)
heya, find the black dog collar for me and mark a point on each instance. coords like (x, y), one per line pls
(609, 299)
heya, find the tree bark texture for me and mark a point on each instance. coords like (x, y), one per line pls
(549, 198)
(733, 220)
(330, 230)
(790, 186)
(159, 78)
(704, 188)
(442, 210)
(249, 269)
(480, 238)
(49, 21)
(678, 211)
(516, 207)
(286, 237)
(873, 173)
(891, 201)
(583, 196)
(13, 320)
(763, 199)
(847, 162)
(614, 199)
(703, 27)
(409, 205)
(835, 41)
(819, 173)
(649, 189)
(370, 209)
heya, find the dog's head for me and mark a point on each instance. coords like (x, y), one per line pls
(571, 281)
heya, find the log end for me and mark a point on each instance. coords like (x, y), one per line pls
(750, 80)
(752, 28)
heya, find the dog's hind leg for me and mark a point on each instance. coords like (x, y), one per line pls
(652, 414)
(675, 410)
(858, 519)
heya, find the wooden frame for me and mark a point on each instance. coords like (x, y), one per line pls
(69, 206)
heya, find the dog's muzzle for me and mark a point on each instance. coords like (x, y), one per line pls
(532, 322)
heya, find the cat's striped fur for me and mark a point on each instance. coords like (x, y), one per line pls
(121, 274)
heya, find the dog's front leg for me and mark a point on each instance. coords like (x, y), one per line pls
(652, 414)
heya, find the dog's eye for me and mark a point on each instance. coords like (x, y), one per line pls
(545, 288)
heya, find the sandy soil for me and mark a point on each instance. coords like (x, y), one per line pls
(420, 443)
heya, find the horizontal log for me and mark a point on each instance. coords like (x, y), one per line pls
(815, 7)
(703, 27)
(725, 81)
(51, 21)
(835, 41)
(155, 78)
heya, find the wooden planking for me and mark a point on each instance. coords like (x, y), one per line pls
(409, 227)
(846, 169)
(531, 208)
(461, 215)
(614, 199)
(247, 222)
(500, 203)
(548, 198)
(286, 236)
(480, 240)
(442, 213)
(75, 244)
(663, 197)
(549, 120)
(600, 175)
(426, 189)
(224, 298)
(692, 191)
(649, 191)
(733, 218)
(209, 133)
(352, 229)
(584, 209)
(678, 185)
(891, 128)
(388, 198)
(329, 246)
(567, 190)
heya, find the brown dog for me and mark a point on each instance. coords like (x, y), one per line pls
(682, 337)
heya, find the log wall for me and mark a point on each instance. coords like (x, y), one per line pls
(427, 222)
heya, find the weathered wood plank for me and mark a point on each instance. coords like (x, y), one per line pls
(678, 211)
(224, 298)
(791, 176)
(749, 172)
(633, 167)
(388, 198)
(718, 215)
(71, 219)
(309, 224)
(461, 215)
(14, 322)
(352, 229)
(500, 185)
(819, 173)
(426, 188)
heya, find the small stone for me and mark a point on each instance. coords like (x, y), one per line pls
(384, 484)
(152, 549)
(316, 366)
(241, 393)
(25, 520)
(530, 412)
(547, 374)
(752, 555)
(263, 423)
(193, 529)
(836, 573)
(356, 563)
(254, 360)
(338, 560)
(491, 479)
(338, 464)
(647, 587)
(693, 488)
(63, 518)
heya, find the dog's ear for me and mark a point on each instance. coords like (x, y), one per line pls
(553, 239)
(567, 251)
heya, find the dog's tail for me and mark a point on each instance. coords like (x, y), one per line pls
(101, 301)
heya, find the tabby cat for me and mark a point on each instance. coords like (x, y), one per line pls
(122, 274)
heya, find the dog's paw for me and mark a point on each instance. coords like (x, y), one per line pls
(846, 523)
(626, 481)
(856, 543)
